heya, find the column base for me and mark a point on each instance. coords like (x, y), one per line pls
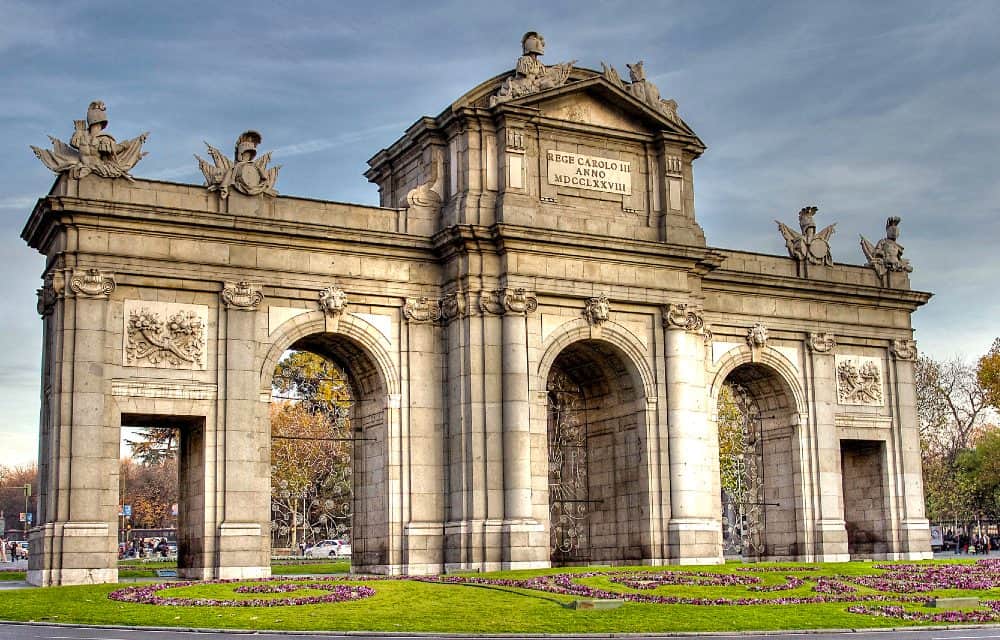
(72, 553)
(424, 547)
(694, 541)
(525, 545)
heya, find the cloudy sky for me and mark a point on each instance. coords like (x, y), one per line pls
(865, 109)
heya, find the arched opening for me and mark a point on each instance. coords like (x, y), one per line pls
(350, 503)
(598, 477)
(759, 465)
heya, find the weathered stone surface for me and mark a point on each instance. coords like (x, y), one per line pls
(511, 415)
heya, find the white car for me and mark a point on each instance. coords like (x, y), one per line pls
(329, 549)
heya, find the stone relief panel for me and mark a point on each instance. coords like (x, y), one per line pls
(165, 335)
(859, 381)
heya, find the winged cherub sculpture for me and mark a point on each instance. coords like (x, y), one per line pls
(809, 247)
(244, 173)
(90, 150)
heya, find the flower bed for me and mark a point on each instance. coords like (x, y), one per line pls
(148, 594)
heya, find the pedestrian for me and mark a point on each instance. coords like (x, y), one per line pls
(3, 550)
(302, 548)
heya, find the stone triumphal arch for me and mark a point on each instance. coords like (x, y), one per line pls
(535, 332)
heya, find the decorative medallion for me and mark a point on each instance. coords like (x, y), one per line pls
(91, 151)
(821, 342)
(333, 301)
(904, 349)
(598, 310)
(245, 174)
(682, 316)
(165, 334)
(757, 336)
(859, 380)
(245, 296)
(92, 283)
(422, 309)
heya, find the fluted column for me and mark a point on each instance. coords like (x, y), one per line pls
(516, 420)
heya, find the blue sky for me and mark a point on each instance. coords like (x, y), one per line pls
(865, 109)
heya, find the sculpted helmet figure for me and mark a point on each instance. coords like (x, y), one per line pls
(808, 246)
(530, 75)
(91, 150)
(245, 173)
(887, 255)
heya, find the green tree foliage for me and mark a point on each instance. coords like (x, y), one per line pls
(980, 468)
(311, 449)
(154, 445)
(988, 374)
(731, 436)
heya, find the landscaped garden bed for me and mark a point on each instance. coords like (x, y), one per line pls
(729, 597)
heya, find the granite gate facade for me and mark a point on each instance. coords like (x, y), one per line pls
(535, 331)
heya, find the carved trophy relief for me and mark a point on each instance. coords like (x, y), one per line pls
(243, 173)
(598, 310)
(165, 335)
(530, 75)
(91, 151)
(859, 380)
(245, 296)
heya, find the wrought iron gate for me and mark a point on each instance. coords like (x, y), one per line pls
(568, 486)
(742, 466)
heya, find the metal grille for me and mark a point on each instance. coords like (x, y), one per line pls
(568, 486)
(743, 479)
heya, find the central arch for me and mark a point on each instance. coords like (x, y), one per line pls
(769, 512)
(598, 489)
(358, 350)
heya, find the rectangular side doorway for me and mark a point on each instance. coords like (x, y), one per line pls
(864, 485)
(184, 518)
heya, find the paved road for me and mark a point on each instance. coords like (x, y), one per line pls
(45, 632)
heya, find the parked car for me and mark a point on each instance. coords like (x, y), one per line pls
(329, 549)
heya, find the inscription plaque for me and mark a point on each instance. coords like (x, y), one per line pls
(589, 172)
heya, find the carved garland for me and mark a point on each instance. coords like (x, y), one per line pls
(179, 340)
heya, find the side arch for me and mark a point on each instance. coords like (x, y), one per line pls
(314, 322)
(771, 359)
(611, 332)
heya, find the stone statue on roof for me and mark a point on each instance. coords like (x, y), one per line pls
(91, 150)
(887, 255)
(808, 246)
(640, 88)
(530, 75)
(245, 172)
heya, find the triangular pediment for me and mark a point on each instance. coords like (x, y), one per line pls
(598, 102)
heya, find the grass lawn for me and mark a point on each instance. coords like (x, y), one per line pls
(404, 605)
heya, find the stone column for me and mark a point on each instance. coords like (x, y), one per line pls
(424, 528)
(914, 529)
(521, 531)
(694, 533)
(76, 542)
(823, 445)
(243, 492)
